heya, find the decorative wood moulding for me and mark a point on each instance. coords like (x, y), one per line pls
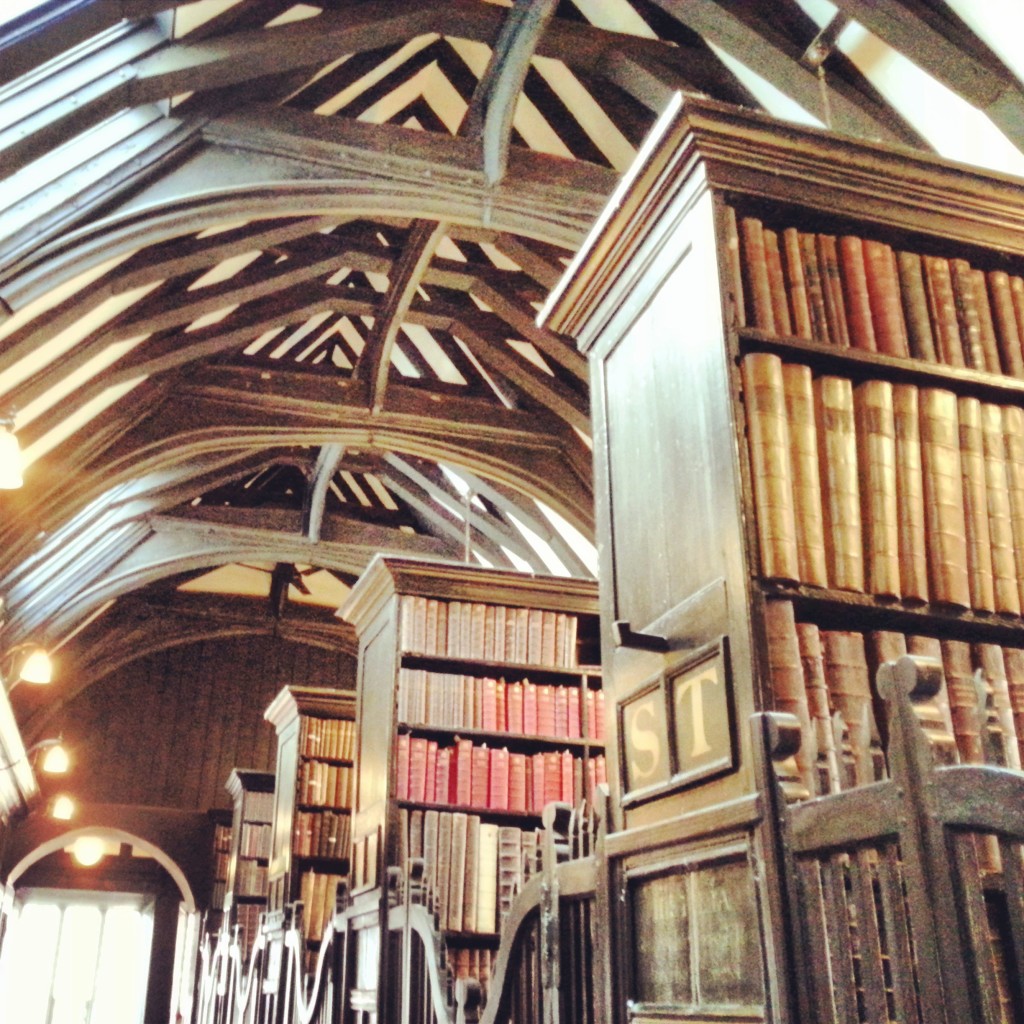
(386, 576)
(249, 780)
(293, 701)
(699, 143)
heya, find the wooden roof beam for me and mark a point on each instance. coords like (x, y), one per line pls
(326, 466)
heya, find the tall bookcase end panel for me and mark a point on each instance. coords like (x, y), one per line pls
(252, 797)
(313, 798)
(480, 702)
(819, 345)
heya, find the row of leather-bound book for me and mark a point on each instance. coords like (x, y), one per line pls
(855, 292)
(886, 488)
(827, 679)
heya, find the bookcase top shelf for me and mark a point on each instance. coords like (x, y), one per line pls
(700, 143)
(387, 576)
(316, 701)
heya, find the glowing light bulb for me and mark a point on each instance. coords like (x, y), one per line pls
(10, 460)
(63, 808)
(56, 761)
(88, 850)
(37, 669)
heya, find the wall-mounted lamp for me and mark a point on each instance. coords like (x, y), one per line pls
(10, 456)
(30, 664)
(56, 761)
(62, 807)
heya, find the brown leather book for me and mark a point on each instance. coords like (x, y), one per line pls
(942, 309)
(910, 494)
(776, 283)
(989, 344)
(1013, 662)
(846, 670)
(789, 694)
(803, 450)
(1000, 522)
(876, 446)
(1013, 439)
(815, 288)
(829, 767)
(732, 248)
(884, 295)
(946, 528)
(832, 287)
(855, 293)
(1000, 722)
(1007, 335)
(931, 647)
(963, 700)
(757, 290)
(768, 437)
(796, 286)
(837, 454)
(967, 314)
(979, 539)
(915, 307)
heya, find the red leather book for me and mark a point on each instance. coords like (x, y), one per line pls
(417, 769)
(561, 701)
(537, 789)
(481, 768)
(545, 710)
(430, 782)
(529, 709)
(591, 703)
(591, 778)
(514, 707)
(443, 777)
(575, 698)
(566, 766)
(518, 797)
(463, 782)
(552, 776)
(498, 788)
(402, 766)
(500, 703)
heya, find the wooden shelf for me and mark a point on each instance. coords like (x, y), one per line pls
(327, 760)
(490, 813)
(499, 669)
(517, 742)
(299, 806)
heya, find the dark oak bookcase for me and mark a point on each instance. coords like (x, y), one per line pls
(459, 632)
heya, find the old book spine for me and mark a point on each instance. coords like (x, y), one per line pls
(815, 288)
(979, 540)
(829, 770)
(944, 498)
(942, 309)
(1013, 661)
(915, 307)
(837, 452)
(855, 293)
(1000, 522)
(1013, 440)
(790, 695)
(803, 442)
(884, 295)
(989, 344)
(768, 436)
(910, 494)
(1002, 726)
(1005, 322)
(758, 293)
(876, 437)
(846, 670)
(967, 314)
(931, 647)
(963, 700)
(1017, 299)
(796, 285)
(776, 283)
(735, 264)
(835, 311)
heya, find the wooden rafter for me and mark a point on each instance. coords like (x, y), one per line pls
(316, 493)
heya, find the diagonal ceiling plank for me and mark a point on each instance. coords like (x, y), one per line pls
(404, 280)
(490, 113)
(938, 42)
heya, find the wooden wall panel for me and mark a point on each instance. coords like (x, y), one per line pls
(167, 730)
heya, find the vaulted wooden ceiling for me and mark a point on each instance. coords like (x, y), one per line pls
(269, 273)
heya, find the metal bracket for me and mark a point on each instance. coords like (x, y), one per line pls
(626, 636)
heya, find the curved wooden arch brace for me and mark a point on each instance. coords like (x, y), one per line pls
(269, 162)
(135, 629)
(40, 836)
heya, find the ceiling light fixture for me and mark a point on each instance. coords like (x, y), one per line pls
(10, 456)
(36, 666)
(62, 808)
